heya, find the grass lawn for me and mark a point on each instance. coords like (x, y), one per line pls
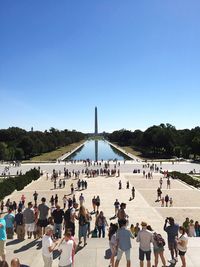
(53, 155)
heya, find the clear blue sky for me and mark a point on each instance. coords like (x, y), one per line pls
(137, 61)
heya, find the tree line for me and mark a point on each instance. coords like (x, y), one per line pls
(19, 144)
(163, 140)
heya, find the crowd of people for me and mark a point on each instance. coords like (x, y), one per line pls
(56, 224)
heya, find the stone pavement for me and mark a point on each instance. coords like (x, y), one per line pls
(143, 207)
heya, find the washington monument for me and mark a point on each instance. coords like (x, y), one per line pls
(96, 122)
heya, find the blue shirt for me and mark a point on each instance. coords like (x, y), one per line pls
(172, 232)
(9, 218)
(2, 229)
(124, 238)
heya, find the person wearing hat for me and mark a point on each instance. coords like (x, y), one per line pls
(145, 238)
(29, 220)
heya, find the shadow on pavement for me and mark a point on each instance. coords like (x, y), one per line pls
(27, 246)
(78, 248)
(14, 242)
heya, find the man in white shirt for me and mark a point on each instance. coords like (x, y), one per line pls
(48, 246)
(145, 238)
(66, 248)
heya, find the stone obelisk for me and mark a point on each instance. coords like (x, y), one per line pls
(96, 122)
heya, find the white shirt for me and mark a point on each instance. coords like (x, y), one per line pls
(46, 243)
(145, 238)
(183, 247)
(66, 254)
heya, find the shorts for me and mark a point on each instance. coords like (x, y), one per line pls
(158, 249)
(30, 227)
(127, 253)
(143, 253)
(181, 253)
(42, 223)
(2, 247)
(172, 245)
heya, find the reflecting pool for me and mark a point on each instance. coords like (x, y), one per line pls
(97, 150)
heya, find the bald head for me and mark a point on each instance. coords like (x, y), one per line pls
(15, 262)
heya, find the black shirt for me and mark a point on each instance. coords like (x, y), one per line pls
(58, 216)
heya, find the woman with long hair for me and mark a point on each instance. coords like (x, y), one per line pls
(112, 242)
(101, 224)
(83, 218)
(182, 245)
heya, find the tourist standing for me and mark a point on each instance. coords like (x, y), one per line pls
(43, 210)
(48, 246)
(123, 238)
(19, 225)
(94, 204)
(81, 199)
(145, 238)
(10, 219)
(122, 214)
(186, 225)
(168, 183)
(66, 247)
(58, 215)
(29, 220)
(112, 242)
(172, 233)
(117, 205)
(98, 203)
(83, 219)
(69, 218)
(35, 196)
(159, 194)
(133, 192)
(191, 230)
(182, 242)
(158, 249)
(101, 224)
(2, 237)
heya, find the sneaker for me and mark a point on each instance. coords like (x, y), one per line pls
(172, 261)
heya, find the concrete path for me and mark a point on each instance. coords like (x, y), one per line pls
(143, 207)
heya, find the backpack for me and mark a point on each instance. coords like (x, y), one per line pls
(160, 242)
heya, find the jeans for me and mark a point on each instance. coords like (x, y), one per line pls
(58, 230)
(101, 229)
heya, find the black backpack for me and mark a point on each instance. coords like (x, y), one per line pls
(160, 242)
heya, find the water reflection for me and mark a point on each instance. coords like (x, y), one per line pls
(97, 150)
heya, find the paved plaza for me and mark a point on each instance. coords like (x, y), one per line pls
(142, 208)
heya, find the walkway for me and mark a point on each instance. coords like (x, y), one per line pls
(143, 207)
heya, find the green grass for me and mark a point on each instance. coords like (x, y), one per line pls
(54, 155)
